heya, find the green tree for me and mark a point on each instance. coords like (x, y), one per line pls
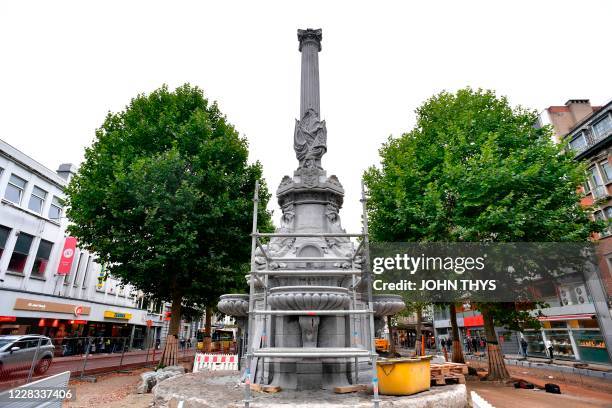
(475, 169)
(164, 199)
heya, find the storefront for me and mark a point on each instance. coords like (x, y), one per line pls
(573, 337)
(53, 319)
(62, 320)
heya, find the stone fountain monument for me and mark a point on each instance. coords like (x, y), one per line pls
(308, 265)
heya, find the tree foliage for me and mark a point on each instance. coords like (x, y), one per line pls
(475, 169)
(164, 197)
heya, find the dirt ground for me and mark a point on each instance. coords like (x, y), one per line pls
(114, 390)
(117, 390)
(504, 396)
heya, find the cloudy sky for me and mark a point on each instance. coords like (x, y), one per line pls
(64, 64)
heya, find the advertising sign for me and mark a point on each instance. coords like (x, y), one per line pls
(67, 256)
(44, 306)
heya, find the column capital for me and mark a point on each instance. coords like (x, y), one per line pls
(310, 36)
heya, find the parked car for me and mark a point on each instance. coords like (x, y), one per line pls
(18, 352)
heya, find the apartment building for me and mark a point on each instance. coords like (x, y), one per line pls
(48, 285)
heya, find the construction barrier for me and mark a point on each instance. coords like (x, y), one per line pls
(214, 362)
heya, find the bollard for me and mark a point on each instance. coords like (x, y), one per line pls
(147, 356)
(34, 360)
(122, 353)
(86, 356)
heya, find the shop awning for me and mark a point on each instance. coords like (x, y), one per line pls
(579, 316)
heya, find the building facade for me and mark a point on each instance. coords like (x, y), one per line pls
(47, 284)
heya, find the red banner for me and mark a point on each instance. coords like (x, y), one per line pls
(67, 256)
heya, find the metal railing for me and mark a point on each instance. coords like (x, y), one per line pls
(26, 360)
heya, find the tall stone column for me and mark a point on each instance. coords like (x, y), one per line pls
(310, 45)
(310, 138)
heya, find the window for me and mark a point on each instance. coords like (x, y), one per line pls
(37, 200)
(595, 177)
(603, 127)
(4, 234)
(76, 271)
(55, 211)
(606, 170)
(599, 216)
(20, 253)
(608, 212)
(597, 185)
(42, 257)
(578, 143)
(14, 189)
(87, 270)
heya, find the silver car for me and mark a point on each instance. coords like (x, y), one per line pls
(18, 352)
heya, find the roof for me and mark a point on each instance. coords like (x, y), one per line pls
(30, 164)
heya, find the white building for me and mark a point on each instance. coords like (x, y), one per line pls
(34, 298)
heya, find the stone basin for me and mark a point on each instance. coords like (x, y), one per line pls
(387, 305)
(308, 298)
(235, 305)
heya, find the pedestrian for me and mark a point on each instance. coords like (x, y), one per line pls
(524, 347)
(468, 344)
(475, 344)
(442, 343)
(549, 348)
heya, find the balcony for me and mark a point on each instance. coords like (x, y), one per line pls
(587, 139)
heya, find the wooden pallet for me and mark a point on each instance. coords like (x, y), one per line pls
(448, 373)
(455, 368)
(448, 379)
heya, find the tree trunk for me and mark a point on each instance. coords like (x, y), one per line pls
(208, 329)
(391, 342)
(497, 366)
(169, 356)
(457, 351)
(419, 323)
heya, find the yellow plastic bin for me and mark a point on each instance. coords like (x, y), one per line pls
(404, 376)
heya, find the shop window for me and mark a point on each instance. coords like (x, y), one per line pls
(20, 253)
(591, 346)
(55, 211)
(37, 200)
(14, 189)
(562, 346)
(42, 257)
(4, 234)
(588, 324)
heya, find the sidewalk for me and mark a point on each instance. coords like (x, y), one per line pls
(591, 370)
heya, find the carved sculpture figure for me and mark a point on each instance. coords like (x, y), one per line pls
(310, 139)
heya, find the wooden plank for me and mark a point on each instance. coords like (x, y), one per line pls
(271, 389)
(348, 389)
